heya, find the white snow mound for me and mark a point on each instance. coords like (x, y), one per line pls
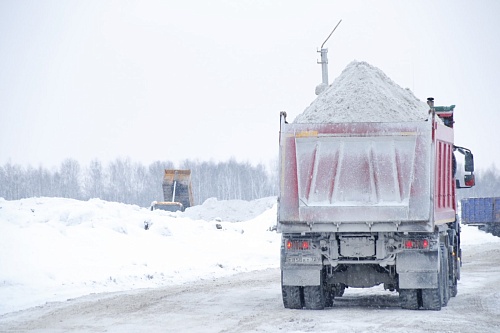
(229, 210)
(363, 93)
(53, 249)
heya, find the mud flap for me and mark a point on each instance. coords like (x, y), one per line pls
(417, 269)
(302, 277)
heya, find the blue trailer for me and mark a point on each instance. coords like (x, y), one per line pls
(483, 213)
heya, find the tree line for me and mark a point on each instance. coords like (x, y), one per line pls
(123, 180)
(134, 183)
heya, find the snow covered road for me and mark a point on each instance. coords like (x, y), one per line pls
(251, 302)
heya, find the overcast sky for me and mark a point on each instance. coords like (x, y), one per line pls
(206, 80)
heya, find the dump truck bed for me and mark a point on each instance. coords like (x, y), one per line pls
(177, 187)
(356, 177)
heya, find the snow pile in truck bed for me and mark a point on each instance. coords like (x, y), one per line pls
(363, 93)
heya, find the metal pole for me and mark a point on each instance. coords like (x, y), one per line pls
(324, 58)
(324, 66)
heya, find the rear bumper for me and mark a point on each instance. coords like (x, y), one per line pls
(397, 226)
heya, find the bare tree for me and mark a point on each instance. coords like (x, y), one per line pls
(69, 179)
(94, 180)
(12, 182)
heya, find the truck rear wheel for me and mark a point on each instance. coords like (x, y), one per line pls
(314, 297)
(317, 297)
(445, 294)
(329, 298)
(292, 296)
(454, 287)
(454, 273)
(329, 291)
(409, 299)
(339, 289)
(433, 298)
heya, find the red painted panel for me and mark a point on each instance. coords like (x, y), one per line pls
(444, 192)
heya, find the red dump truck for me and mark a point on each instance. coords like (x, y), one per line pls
(364, 204)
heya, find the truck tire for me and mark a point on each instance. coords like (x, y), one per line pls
(495, 229)
(339, 289)
(329, 298)
(292, 296)
(445, 279)
(454, 287)
(453, 276)
(432, 298)
(314, 297)
(409, 299)
(329, 291)
(455, 272)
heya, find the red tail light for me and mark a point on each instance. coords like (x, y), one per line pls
(408, 244)
(416, 244)
(297, 244)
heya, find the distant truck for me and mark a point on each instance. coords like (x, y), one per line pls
(364, 204)
(483, 213)
(177, 191)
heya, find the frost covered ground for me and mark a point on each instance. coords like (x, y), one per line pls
(52, 249)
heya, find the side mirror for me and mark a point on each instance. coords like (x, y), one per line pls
(469, 162)
(469, 167)
(469, 180)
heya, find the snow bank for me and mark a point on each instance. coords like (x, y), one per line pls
(471, 236)
(229, 210)
(363, 93)
(52, 249)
